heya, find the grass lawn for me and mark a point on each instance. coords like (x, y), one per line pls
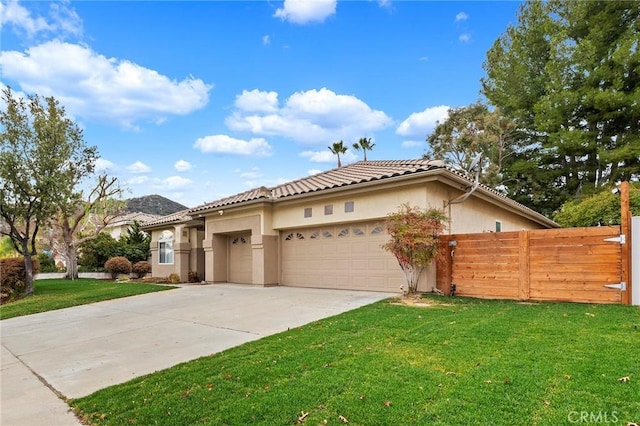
(58, 294)
(458, 362)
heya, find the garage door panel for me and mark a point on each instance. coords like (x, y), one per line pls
(354, 260)
(240, 260)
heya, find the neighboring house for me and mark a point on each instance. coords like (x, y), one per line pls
(121, 223)
(324, 230)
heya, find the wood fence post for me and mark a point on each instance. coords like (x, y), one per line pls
(625, 229)
(524, 275)
(444, 264)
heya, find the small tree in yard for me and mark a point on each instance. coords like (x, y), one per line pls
(414, 240)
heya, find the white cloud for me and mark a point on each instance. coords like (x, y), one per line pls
(385, 4)
(328, 157)
(172, 183)
(61, 21)
(138, 168)
(266, 39)
(305, 11)
(138, 180)
(314, 172)
(65, 19)
(464, 38)
(423, 123)
(223, 144)
(256, 100)
(103, 165)
(182, 166)
(311, 117)
(20, 18)
(462, 16)
(103, 89)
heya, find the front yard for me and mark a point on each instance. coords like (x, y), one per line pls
(456, 362)
(58, 294)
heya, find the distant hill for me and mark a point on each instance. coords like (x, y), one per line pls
(153, 204)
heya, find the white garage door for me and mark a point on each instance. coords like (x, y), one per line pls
(240, 260)
(346, 257)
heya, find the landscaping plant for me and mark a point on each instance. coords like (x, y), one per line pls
(118, 265)
(414, 240)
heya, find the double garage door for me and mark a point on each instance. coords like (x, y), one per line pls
(344, 256)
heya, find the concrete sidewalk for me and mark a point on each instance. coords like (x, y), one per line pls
(75, 351)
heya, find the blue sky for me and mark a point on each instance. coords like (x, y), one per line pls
(203, 99)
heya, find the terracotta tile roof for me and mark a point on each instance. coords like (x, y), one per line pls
(352, 174)
(137, 216)
(360, 172)
(181, 216)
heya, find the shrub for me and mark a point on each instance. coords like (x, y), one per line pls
(141, 268)
(118, 265)
(174, 278)
(13, 277)
(47, 264)
(96, 252)
(194, 277)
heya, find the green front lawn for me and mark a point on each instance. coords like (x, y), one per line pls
(459, 362)
(58, 294)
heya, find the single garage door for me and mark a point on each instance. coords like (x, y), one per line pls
(240, 259)
(345, 257)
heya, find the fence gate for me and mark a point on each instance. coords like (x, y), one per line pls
(575, 264)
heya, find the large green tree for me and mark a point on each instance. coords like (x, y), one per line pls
(568, 73)
(471, 131)
(41, 153)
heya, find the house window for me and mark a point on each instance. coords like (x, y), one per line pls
(328, 209)
(326, 234)
(165, 248)
(289, 237)
(344, 232)
(358, 231)
(376, 230)
(314, 235)
(348, 207)
(498, 226)
(308, 212)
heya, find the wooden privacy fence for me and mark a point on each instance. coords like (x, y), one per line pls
(571, 264)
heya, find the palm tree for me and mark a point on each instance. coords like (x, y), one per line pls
(365, 145)
(338, 148)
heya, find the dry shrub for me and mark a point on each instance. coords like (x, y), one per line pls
(141, 268)
(118, 265)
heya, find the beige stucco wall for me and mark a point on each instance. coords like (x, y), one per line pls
(473, 215)
(158, 270)
(369, 205)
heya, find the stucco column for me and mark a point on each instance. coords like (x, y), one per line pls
(264, 252)
(154, 255)
(181, 252)
(207, 245)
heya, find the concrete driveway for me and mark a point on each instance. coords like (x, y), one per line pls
(75, 351)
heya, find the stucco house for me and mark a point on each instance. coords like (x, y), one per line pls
(122, 223)
(325, 230)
